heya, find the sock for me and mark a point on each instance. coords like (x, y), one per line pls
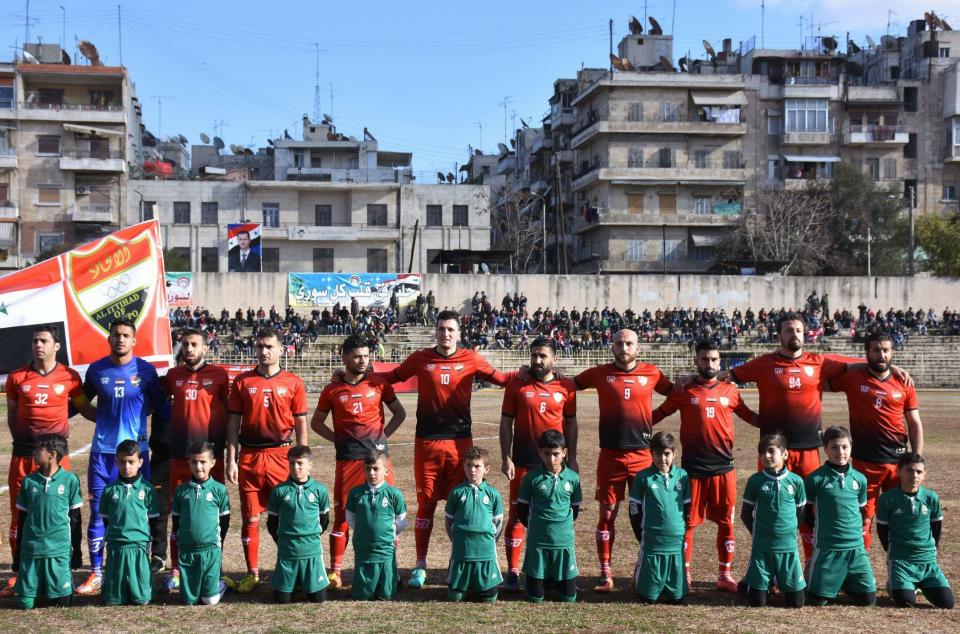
(605, 536)
(174, 553)
(422, 528)
(725, 548)
(867, 532)
(806, 534)
(12, 535)
(250, 536)
(687, 547)
(338, 545)
(513, 542)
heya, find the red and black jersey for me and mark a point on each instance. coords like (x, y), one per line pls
(358, 420)
(535, 407)
(267, 406)
(445, 385)
(43, 403)
(706, 425)
(877, 408)
(626, 402)
(197, 413)
(790, 393)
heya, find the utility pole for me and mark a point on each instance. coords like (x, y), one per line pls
(911, 202)
(479, 124)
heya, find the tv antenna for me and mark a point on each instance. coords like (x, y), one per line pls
(480, 125)
(316, 82)
(160, 99)
(330, 85)
(505, 103)
(218, 127)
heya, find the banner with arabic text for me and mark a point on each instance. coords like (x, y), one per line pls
(179, 289)
(371, 289)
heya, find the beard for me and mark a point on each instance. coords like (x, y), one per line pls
(794, 344)
(708, 373)
(878, 366)
(539, 372)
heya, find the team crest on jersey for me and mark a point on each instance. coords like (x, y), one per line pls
(344, 398)
(251, 390)
(209, 496)
(463, 499)
(790, 489)
(855, 486)
(611, 379)
(778, 370)
(643, 380)
(808, 369)
(724, 401)
(385, 503)
(61, 489)
(896, 395)
(116, 496)
(557, 396)
(207, 382)
(142, 495)
(431, 367)
(653, 485)
(25, 388)
(135, 381)
(566, 487)
(528, 394)
(765, 488)
(286, 498)
(458, 367)
(281, 390)
(486, 499)
(311, 497)
(923, 509)
(679, 486)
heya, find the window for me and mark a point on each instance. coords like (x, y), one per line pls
(672, 253)
(701, 159)
(298, 158)
(911, 98)
(184, 254)
(377, 215)
(944, 51)
(635, 157)
(181, 213)
(773, 169)
(431, 267)
(665, 157)
(209, 260)
(434, 215)
(376, 260)
(701, 204)
(668, 203)
(890, 169)
(101, 98)
(949, 192)
(635, 203)
(668, 111)
(47, 241)
(270, 259)
(807, 115)
(5, 195)
(910, 149)
(48, 194)
(825, 170)
(774, 123)
(50, 96)
(732, 160)
(148, 210)
(6, 93)
(634, 252)
(209, 213)
(873, 168)
(323, 217)
(271, 214)
(48, 145)
(322, 260)
(635, 111)
(704, 253)
(461, 216)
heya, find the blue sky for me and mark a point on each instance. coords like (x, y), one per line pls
(425, 77)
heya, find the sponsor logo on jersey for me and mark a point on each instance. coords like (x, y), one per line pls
(207, 382)
(695, 400)
(251, 390)
(371, 394)
(778, 370)
(611, 379)
(344, 398)
(104, 380)
(25, 388)
(431, 367)
(724, 401)
(528, 394)
(808, 369)
(179, 382)
(865, 389)
(135, 381)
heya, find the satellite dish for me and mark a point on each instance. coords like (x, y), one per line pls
(683, 64)
(617, 64)
(451, 177)
(709, 49)
(829, 43)
(327, 118)
(88, 50)
(205, 138)
(852, 48)
(183, 139)
(936, 21)
(503, 148)
(655, 28)
(247, 151)
(636, 28)
(854, 69)
(218, 143)
(29, 58)
(944, 25)
(64, 57)
(286, 135)
(270, 142)
(871, 43)
(478, 152)
(523, 123)
(627, 65)
(440, 177)
(513, 144)
(666, 64)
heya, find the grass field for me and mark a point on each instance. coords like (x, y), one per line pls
(708, 610)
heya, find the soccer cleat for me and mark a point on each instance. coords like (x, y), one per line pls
(229, 582)
(336, 583)
(157, 565)
(91, 585)
(7, 590)
(512, 584)
(170, 584)
(726, 583)
(248, 583)
(417, 578)
(604, 584)
(222, 588)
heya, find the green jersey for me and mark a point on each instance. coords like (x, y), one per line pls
(127, 509)
(47, 503)
(661, 497)
(299, 507)
(199, 505)
(551, 498)
(837, 498)
(376, 516)
(775, 499)
(476, 512)
(909, 517)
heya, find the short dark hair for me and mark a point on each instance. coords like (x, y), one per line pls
(244, 232)
(551, 439)
(837, 432)
(544, 342)
(477, 452)
(353, 342)
(298, 451)
(128, 447)
(267, 332)
(446, 315)
(198, 448)
(704, 344)
(123, 321)
(877, 336)
(54, 443)
(791, 316)
(193, 332)
(661, 441)
(909, 457)
(775, 439)
(374, 456)
(50, 328)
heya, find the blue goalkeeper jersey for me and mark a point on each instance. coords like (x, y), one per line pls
(125, 394)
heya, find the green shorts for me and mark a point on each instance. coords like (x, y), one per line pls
(910, 575)
(474, 576)
(308, 574)
(781, 568)
(834, 570)
(550, 564)
(660, 574)
(375, 580)
(126, 575)
(199, 574)
(44, 577)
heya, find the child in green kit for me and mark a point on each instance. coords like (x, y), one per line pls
(836, 507)
(201, 518)
(128, 508)
(49, 505)
(909, 520)
(659, 514)
(474, 520)
(298, 513)
(547, 504)
(773, 506)
(376, 513)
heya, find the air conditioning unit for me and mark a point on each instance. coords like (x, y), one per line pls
(82, 190)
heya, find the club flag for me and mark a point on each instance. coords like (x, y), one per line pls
(81, 292)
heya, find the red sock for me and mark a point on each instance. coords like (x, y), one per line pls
(422, 528)
(174, 552)
(688, 546)
(250, 536)
(605, 537)
(513, 542)
(806, 534)
(339, 535)
(867, 532)
(726, 545)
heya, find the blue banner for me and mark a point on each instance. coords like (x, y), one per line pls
(370, 289)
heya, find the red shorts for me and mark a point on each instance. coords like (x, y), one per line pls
(180, 473)
(438, 467)
(519, 473)
(803, 462)
(615, 471)
(259, 470)
(350, 474)
(880, 477)
(713, 498)
(20, 468)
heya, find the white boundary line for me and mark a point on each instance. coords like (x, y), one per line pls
(78, 452)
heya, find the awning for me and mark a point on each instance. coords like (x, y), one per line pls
(704, 239)
(85, 129)
(735, 98)
(802, 158)
(7, 231)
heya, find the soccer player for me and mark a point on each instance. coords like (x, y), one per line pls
(625, 395)
(879, 403)
(706, 435)
(199, 392)
(474, 522)
(358, 427)
(773, 507)
(836, 500)
(298, 513)
(128, 508)
(909, 521)
(38, 400)
(531, 406)
(125, 388)
(268, 413)
(48, 512)
(659, 514)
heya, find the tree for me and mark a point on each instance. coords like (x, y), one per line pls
(53, 252)
(175, 262)
(939, 237)
(517, 223)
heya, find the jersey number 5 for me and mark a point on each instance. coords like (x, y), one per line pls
(266, 401)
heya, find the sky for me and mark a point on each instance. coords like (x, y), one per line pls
(425, 77)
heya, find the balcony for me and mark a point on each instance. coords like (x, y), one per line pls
(357, 232)
(562, 156)
(809, 137)
(82, 161)
(84, 113)
(797, 184)
(876, 135)
(8, 210)
(100, 213)
(507, 164)
(659, 126)
(541, 144)
(656, 217)
(561, 117)
(952, 154)
(352, 175)
(8, 158)
(694, 172)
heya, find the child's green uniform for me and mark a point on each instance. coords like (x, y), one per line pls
(197, 509)
(127, 508)
(45, 544)
(840, 559)
(661, 498)
(376, 517)
(775, 498)
(299, 551)
(550, 553)
(912, 558)
(476, 512)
